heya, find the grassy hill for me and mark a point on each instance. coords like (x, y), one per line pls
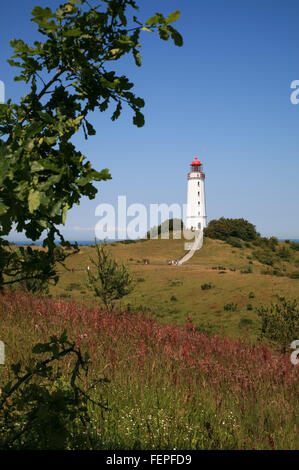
(163, 386)
(219, 288)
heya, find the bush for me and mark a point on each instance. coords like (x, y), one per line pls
(231, 307)
(247, 270)
(111, 281)
(251, 295)
(264, 256)
(245, 322)
(284, 253)
(39, 408)
(235, 242)
(294, 246)
(280, 322)
(225, 229)
(294, 275)
(176, 282)
(277, 272)
(173, 298)
(206, 286)
(169, 225)
(65, 295)
(73, 286)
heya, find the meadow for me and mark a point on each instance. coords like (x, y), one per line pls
(168, 387)
(179, 360)
(219, 288)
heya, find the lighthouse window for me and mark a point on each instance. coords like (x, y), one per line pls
(198, 202)
(198, 193)
(198, 183)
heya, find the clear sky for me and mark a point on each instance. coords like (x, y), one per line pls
(224, 96)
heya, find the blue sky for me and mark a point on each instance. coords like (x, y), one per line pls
(224, 96)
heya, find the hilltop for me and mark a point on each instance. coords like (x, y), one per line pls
(219, 288)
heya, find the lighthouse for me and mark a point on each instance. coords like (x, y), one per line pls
(196, 204)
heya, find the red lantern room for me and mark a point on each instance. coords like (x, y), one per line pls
(196, 165)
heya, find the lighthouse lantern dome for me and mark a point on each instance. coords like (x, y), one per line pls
(196, 165)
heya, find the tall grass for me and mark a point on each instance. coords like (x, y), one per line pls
(170, 387)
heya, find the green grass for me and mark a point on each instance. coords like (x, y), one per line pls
(157, 283)
(169, 387)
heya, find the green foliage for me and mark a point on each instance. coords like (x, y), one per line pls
(111, 280)
(225, 229)
(264, 256)
(280, 322)
(175, 282)
(42, 409)
(231, 307)
(294, 275)
(245, 322)
(235, 242)
(73, 286)
(294, 246)
(42, 173)
(284, 253)
(206, 286)
(248, 270)
(173, 298)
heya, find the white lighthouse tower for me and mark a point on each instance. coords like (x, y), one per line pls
(196, 203)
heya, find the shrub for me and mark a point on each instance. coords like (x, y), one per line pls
(173, 298)
(176, 282)
(277, 272)
(249, 307)
(111, 281)
(231, 307)
(284, 253)
(206, 286)
(225, 229)
(64, 295)
(294, 275)
(264, 256)
(39, 408)
(247, 270)
(294, 246)
(245, 322)
(170, 225)
(251, 295)
(73, 286)
(280, 322)
(235, 242)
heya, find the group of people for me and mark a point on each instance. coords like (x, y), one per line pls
(173, 262)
